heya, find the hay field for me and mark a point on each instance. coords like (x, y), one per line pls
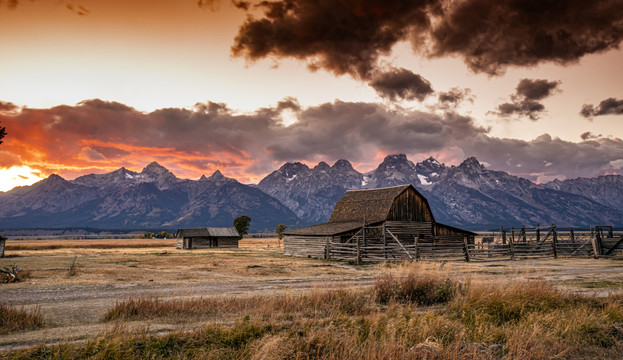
(109, 272)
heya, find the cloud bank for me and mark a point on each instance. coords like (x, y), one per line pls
(97, 135)
(349, 36)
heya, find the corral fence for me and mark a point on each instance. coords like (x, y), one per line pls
(379, 243)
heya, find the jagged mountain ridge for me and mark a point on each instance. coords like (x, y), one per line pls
(153, 198)
(467, 195)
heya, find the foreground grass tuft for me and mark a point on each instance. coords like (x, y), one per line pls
(16, 320)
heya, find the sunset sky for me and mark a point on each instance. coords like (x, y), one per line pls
(529, 87)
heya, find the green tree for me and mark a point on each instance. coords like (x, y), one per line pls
(241, 223)
(279, 230)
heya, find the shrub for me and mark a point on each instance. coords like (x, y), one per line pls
(15, 320)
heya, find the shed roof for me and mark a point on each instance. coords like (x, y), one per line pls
(327, 229)
(208, 231)
(373, 204)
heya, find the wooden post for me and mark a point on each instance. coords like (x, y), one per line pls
(327, 249)
(595, 244)
(512, 233)
(555, 240)
(572, 235)
(510, 244)
(523, 233)
(72, 265)
(363, 230)
(600, 247)
(466, 248)
(2, 242)
(538, 233)
(610, 234)
(384, 242)
(503, 235)
(416, 253)
(364, 233)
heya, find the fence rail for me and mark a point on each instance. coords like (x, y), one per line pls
(381, 244)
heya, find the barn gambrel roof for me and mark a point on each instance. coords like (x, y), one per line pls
(372, 205)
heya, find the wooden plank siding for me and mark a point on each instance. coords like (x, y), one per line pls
(410, 206)
(305, 246)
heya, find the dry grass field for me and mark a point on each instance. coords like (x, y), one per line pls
(146, 289)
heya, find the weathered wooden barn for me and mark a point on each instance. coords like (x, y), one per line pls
(384, 222)
(208, 237)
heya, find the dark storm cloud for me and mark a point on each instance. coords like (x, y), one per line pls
(610, 106)
(536, 89)
(589, 135)
(348, 36)
(344, 37)
(525, 100)
(401, 84)
(454, 97)
(95, 133)
(491, 35)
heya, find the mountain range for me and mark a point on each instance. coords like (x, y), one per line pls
(151, 199)
(468, 195)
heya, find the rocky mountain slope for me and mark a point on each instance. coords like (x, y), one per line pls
(468, 195)
(153, 198)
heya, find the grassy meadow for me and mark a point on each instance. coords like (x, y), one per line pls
(127, 301)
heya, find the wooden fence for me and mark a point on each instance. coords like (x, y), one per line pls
(380, 244)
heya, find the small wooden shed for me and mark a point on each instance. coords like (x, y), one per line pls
(398, 212)
(208, 237)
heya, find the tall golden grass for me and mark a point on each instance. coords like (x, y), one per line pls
(392, 320)
(17, 319)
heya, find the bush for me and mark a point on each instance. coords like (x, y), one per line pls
(420, 289)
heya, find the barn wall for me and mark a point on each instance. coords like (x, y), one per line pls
(445, 231)
(200, 242)
(409, 230)
(409, 206)
(228, 242)
(301, 245)
(180, 243)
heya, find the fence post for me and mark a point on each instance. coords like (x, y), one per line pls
(2, 242)
(538, 233)
(466, 248)
(416, 253)
(327, 249)
(384, 242)
(363, 230)
(503, 235)
(523, 233)
(572, 235)
(510, 243)
(555, 240)
(595, 244)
